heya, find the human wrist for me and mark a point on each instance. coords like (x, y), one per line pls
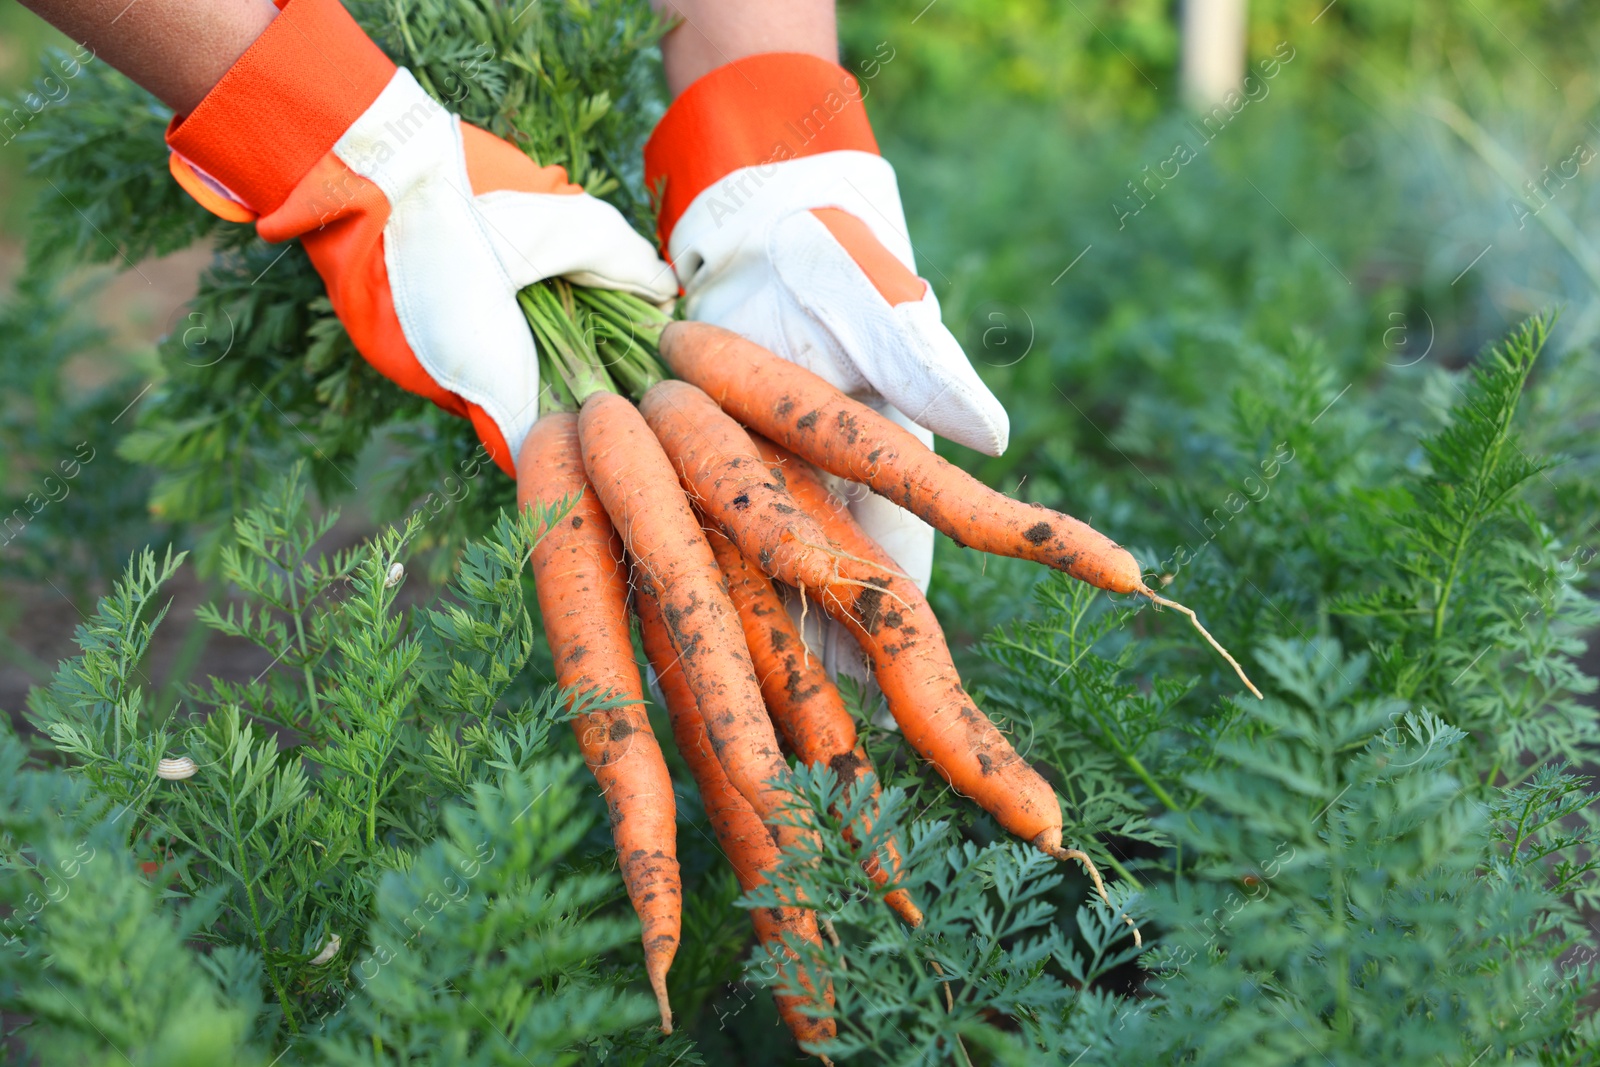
(712, 33)
(175, 49)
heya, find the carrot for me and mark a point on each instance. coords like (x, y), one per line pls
(844, 437)
(883, 609)
(917, 619)
(744, 840)
(738, 482)
(583, 596)
(672, 562)
(804, 703)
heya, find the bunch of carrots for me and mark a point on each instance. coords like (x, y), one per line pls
(682, 510)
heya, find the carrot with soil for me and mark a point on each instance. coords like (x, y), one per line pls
(917, 620)
(744, 840)
(883, 609)
(804, 703)
(844, 437)
(583, 595)
(672, 562)
(730, 481)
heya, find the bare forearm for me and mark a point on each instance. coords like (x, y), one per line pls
(177, 49)
(715, 32)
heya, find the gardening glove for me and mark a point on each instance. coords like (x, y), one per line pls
(422, 226)
(784, 224)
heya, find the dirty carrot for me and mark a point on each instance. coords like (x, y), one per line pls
(582, 586)
(883, 609)
(844, 437)
(732, 474)
(672, 562)
(804, 703)
(897, 629)
(744, 840)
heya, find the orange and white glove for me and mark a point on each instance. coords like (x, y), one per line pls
(422, 226)
(784, 224)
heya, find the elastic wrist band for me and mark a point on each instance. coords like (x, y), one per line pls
(754, 111)
(280, 108)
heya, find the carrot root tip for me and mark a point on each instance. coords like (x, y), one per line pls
(805, 606)
(1194, 620)
(658, 984)
(1047, 842)
(900, 902)
(949, 1001)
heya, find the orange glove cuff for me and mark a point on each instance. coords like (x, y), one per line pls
(754, 111)
(278, 110)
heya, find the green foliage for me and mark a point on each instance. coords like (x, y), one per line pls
(1013, 48)
(989, 946)
(339, 822)
(1470, 580)
(73, 509)
(1096, 723)
(100, 152)
(92, 955)
(485, 949)
(487, 918)
(1344, 872)
(1349, 901)
(572, 84)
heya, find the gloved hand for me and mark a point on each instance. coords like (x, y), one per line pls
(784, 224)
(422, 226)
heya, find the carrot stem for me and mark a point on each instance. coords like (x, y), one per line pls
(621, 355)
(643, 320)
(554, 397)
(560, 339)
(593, 340)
